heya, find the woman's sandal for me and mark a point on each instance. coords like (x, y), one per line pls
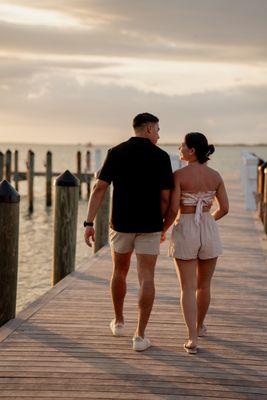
(202, 331)
(190, 350)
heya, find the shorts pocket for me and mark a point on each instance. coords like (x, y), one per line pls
(112, 234)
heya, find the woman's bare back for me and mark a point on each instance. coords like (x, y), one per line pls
(198, 178)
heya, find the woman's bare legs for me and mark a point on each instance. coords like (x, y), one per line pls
(187, 274)
(205, 270)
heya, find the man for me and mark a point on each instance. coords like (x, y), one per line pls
(142, 178)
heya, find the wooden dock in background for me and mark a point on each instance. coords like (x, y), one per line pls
(61, 347)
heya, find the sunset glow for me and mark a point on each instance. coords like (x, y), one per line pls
(67, 64)
(16, 14)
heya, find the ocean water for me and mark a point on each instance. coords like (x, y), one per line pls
(36, 229)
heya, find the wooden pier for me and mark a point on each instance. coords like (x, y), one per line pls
(8, 172)
(61, 347)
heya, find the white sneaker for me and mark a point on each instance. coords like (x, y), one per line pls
(140, 344)
(116, 329)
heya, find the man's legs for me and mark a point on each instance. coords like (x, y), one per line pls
(121, 264)
(145, 268)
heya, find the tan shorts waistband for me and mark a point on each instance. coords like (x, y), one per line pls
(142, 243)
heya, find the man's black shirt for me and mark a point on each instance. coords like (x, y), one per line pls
(139, 170)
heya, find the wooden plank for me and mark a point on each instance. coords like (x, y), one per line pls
(115, 396)
(159, 387)
(30, 310)
(98, 380)
(125, 395)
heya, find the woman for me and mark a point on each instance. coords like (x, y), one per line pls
(195, 243)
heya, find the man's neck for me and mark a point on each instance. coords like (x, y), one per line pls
(141, 135)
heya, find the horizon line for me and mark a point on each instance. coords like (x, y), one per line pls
(90, 144)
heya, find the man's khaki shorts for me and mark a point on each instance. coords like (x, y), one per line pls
(142, 243)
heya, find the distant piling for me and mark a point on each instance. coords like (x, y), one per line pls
(49, 175)
(65, 225)
(16, 169)
(79, 170)
(88, 169)
(8, 164)
(9, 239)
(260, 188)
(8, 172)
(30, 179)
(265, 201)
(1, 166)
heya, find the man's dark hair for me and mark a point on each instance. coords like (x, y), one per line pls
(144, 118)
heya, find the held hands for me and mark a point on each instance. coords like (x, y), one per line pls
(163, 237)
(89, 234)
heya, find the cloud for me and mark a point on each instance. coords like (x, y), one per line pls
(26, 67)
(148, 76)
(199, 65)
(17, 14)
(210, 30)
(69, 112)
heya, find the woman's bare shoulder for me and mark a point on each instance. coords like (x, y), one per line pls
(215, 175)
(180, 172)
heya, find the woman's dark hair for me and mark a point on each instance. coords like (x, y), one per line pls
(199, 142)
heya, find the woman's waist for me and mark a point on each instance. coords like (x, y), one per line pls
(187, 209)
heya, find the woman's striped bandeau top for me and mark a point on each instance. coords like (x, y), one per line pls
(199, 200)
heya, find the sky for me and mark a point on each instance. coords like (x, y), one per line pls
(78, 71)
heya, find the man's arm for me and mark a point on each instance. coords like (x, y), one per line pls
(174, 204)
(95, 201)
(164, 201)
(172, 211)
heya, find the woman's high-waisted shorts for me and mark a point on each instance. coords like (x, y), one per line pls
(190, 241)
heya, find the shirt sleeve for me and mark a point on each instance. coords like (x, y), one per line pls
(166, 174)
(106, 173)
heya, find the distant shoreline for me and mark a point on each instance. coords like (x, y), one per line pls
(114, 144)
(225, 145)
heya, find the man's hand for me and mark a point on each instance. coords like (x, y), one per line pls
(163, 237)
(89, 234)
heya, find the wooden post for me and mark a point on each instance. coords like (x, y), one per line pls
(30, 178)
(65, 225)
(16, 169)
(48, 178)
(88, 169)
(8, 160)
(265, 201)
(9, 237)
(260, 189)
(102, 223)
(79, 170)
(1, 166)
(249, 179)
